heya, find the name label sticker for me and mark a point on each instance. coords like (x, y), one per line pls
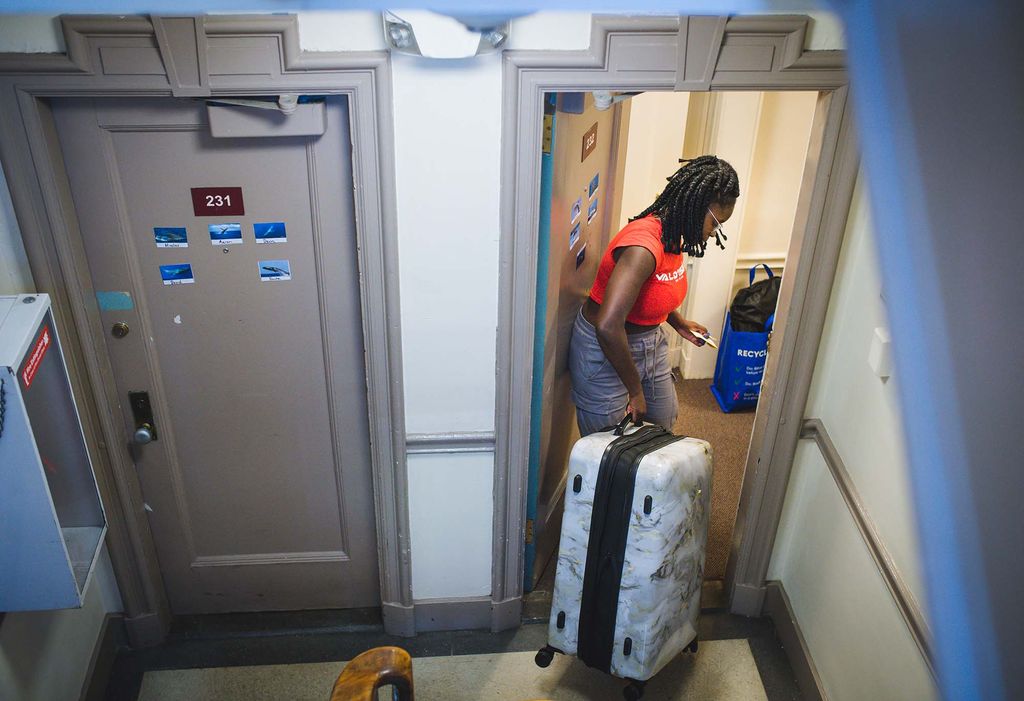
(270, 232)
(275, 270)
(171, 236)
(177, 274)
(225, 234)
(581, 256)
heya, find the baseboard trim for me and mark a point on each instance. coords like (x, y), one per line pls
(147, 630)
(113, 635)
(778, 608)
(506, 615)
(453, 614)
(747, 600)
(398, 620)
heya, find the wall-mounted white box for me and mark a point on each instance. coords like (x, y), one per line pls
(880, 355)
(51, 520)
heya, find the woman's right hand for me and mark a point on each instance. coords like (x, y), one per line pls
(637, 406)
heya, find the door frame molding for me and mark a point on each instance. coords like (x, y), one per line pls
(127, 56)
(675, 53)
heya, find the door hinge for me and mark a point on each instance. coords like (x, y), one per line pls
(529, 531)
(549, 132)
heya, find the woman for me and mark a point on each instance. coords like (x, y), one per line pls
(618, 355)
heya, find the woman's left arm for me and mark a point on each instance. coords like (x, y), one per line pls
(690, 330)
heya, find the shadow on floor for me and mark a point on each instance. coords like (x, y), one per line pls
(232, 640)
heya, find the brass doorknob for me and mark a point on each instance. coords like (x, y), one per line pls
(119, 330)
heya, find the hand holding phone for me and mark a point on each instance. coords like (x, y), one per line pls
(710, 340)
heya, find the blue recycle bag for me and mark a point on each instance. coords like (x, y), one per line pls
(740, 366)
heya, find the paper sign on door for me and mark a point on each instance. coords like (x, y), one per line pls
(581, 256)
(225, 234)
(574, 237)
(170, 236)
(177, 274)
(271, 270)
(270, 232)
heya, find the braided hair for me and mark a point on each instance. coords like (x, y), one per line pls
(684, 202)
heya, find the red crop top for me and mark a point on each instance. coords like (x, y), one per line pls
(664, 290)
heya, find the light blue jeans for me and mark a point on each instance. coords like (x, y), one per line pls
(599, 394)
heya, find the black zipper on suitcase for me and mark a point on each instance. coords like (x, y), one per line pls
(606, 548)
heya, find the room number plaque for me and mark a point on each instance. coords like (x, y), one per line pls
(217, 201)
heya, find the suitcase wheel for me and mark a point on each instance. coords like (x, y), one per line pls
(634, 691)
(544, 656)
(692, 647)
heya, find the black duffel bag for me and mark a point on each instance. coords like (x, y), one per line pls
(752, 305)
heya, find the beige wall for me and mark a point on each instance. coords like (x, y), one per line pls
(780, 154)
(856, 636)
(731, 135)
(765, 137)
(657, 122)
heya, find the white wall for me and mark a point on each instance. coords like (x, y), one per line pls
(451, 549)
(853, 630)
(45, 655)
(448, 248)
(448, 238)
(15, 277)
(858, 640)
(447, 163)
(866, 427)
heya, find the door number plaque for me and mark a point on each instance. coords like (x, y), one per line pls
(217, 201)
(589, 142)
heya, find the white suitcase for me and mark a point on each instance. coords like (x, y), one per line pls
(631, 555)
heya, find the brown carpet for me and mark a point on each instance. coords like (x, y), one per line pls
(729, 436)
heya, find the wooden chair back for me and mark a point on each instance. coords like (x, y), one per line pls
(376, 668)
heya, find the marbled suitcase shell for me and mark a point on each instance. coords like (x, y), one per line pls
(659, 597)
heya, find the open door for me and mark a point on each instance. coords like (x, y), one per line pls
(578, 164)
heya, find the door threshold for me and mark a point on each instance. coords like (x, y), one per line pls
(265, 624)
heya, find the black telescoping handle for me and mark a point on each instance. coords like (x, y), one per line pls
(620, 427)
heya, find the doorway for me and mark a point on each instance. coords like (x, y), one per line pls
(225, 273)
(685, 54)
(639, 139)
